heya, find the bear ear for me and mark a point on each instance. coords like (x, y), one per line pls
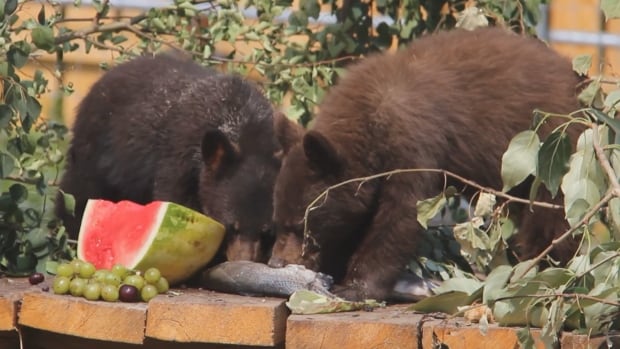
(287, 131)
(217, 150)
(321, 153)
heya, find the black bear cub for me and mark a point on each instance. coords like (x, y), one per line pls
(164, 128)
(450, 101)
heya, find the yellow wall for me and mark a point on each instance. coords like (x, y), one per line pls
(82, 70)
(584, 15)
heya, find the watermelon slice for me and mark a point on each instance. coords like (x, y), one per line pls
(173, 238)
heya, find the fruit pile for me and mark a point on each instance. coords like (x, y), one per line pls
(81, 279)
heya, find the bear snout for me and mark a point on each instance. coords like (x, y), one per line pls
(286, 250)
(240, 249)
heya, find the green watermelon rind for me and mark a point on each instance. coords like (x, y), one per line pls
(186, 241)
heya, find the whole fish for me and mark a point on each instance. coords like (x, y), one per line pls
(257, 279)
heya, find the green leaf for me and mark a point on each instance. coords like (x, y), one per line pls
(554, 277)
(519, 160)
(446, 302)
(429, 208)
(41, 16)
(495, 282)
(510, 312)
(6, 114)
(580, 195)
(459, 284)
(407, 29)
(553, 158)
(595, 311)
(18, 193)
(611, 8)
(117, 39)
(17, 55)
(298, 19)
(33, 108)
(526, 340)
(592, 94)
(612, 99)
(614, 213)
(9, 7)
(43, 37)
(7, 164)
(576, 211)
(69, 201)
(520, 268)
(22, 264)
(311, 8)
(37, 238)
(579, 264)
(513, 311)
(613, 123)
(582, 64)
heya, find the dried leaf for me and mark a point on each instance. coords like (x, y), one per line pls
(429, 208)
(485, 205)
(471, 18)
(582, 64)
(592, 95)
(309, 302)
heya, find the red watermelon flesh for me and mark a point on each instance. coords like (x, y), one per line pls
(175, 239)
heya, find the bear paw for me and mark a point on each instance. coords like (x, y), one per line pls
(358, 291)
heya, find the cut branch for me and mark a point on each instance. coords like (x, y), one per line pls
(323, 196)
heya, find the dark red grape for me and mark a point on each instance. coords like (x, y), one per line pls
(128, 293)
(36, 278)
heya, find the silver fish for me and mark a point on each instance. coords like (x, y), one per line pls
(257, 279)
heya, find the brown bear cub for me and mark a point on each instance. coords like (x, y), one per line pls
(164, 128)
(450, 101)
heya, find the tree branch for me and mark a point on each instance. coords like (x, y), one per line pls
(604, 161)
(99, 28)
(614, 191)
(576, 296)
(362, 180)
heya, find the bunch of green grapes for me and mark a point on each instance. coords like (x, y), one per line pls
(81, 279)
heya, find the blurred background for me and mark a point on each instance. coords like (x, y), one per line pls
(573, 27)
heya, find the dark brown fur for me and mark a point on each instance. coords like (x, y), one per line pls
(165, 128)
(450, 101)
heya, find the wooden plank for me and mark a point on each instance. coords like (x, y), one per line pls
(11, 290)
(115, 322)
(459, 334)
(574, 341)
(210, 317)
(393, 327)
(37, 339)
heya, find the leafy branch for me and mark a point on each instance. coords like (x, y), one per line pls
(323, 196)
(576, 296)
(612, 192)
